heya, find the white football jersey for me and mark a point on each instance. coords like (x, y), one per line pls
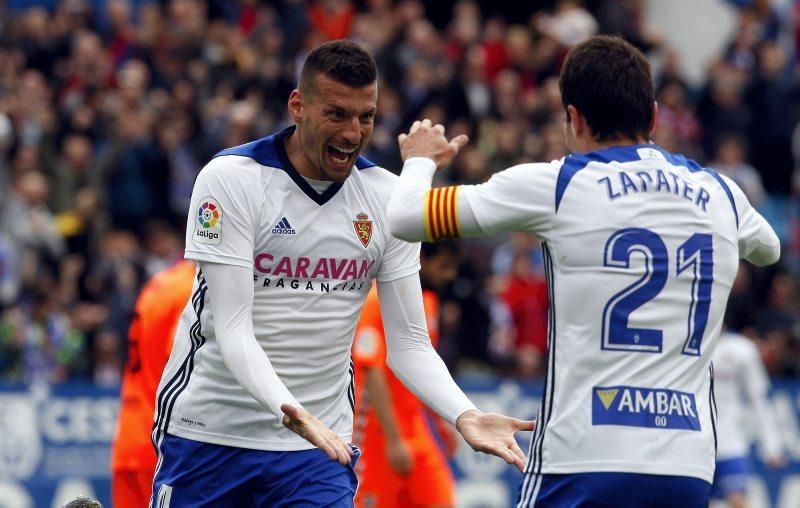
(641, 248)
(313, 258)
(741, 386)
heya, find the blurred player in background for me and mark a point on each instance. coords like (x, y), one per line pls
(402, 465)
(289, 231)
(741, 389)
(641, 248)
(133, 460)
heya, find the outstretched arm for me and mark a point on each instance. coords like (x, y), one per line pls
(231, 295)
(412, 358)
(520, 198)
(415, 211)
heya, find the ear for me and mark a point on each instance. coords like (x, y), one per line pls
(296, 105)
(576, 120)
(654, 120)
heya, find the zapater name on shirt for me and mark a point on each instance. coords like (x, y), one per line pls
(311, 274)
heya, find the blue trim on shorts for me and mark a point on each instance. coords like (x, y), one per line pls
(195, 474)
(618, 490)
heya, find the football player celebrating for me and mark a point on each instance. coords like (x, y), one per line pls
(641, 247)
(288, 232)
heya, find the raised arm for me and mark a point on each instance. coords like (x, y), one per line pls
(520, 198)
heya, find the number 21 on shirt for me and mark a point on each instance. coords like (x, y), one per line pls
(694, 258)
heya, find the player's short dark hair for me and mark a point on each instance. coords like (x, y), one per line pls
(341, 60)
(609, 82)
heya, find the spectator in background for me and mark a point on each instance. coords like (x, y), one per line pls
(772, 122)
(675, 114)
(112, 278)
(332, 18)
(106, 359)
(741, 52)
(776, 320)
(72, 170)
(729, 159)
(522, 295)
(722, 107)
(83, 224)
(163, 247)
(116, 102)
(569, 24)
(40, 344)
(507, 146)
(383, 148)
(29, 222)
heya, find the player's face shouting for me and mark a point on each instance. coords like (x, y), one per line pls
(334, 125)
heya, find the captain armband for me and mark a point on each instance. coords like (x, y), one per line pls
(441, 213)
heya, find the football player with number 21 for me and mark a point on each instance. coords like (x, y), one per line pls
(641, 247)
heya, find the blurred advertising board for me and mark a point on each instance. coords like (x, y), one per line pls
(54, 446)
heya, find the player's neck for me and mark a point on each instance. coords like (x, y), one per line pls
(298, 158)
(589, 144)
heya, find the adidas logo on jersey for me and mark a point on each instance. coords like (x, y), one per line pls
(283, 228)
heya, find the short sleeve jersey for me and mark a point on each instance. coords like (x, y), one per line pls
(641, 247)
(313, 257)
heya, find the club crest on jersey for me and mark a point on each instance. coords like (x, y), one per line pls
(363, 228)
(208, 226)
(633, 406)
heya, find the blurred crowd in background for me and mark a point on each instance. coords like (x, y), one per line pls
(108, 110)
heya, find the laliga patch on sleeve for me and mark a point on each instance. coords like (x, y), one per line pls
(208, 222)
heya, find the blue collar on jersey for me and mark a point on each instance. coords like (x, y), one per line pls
(627, 153)
(271, 151)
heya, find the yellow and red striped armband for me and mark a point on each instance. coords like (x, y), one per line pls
(441, 213)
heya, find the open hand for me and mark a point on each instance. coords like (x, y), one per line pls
(494, 434)
(427, 140)
(302, 423)
(399, 457)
